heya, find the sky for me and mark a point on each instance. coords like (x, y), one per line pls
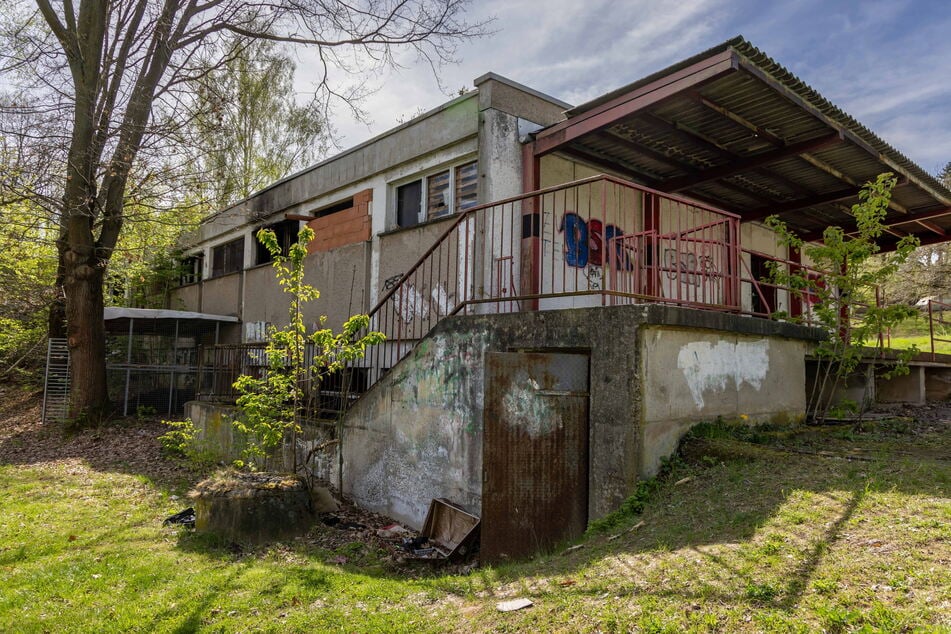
(886, 63)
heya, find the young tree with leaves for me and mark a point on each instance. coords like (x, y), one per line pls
(271, 405)
(844, 296)
(95, 73)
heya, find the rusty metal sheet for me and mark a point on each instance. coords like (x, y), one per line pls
(535, 452)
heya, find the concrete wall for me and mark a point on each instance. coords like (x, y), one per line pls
(691, 375)
(418, 433)
(217, 434)
(186, 298)
(222, 295)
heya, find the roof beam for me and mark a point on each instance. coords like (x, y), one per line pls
(788, 94)
(927, 224)
(832, 171)
(800, 203)
(743, 164)
(912, 217)
(611, 164)
(688, 134)
(650, 94)
(761, 132)
(639, 148)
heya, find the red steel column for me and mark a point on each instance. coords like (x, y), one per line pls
(530, 260)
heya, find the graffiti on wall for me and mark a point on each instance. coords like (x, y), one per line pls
(418, 301)
(586, 240)
(691, 268)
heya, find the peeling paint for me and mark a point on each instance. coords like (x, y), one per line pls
(711, 367)
(531, 413)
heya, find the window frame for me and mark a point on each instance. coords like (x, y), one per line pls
(424, 179)
(240, 258)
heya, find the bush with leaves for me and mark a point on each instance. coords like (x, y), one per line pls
(270, 406)
(844, 297)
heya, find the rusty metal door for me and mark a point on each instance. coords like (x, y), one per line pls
(534, 453)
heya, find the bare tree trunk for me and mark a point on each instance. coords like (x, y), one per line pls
(89, 399)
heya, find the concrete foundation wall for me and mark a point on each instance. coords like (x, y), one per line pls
(692, 375)
(418, 433)
(217, 434)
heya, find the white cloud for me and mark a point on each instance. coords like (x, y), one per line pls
(886, 62)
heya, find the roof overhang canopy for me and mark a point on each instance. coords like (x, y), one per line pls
(118, 319)
(732, 128)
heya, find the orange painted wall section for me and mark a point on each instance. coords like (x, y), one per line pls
(343, 227)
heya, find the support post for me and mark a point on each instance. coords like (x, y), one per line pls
(530, 256)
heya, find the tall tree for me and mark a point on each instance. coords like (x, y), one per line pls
(249, 125)
(98, 71)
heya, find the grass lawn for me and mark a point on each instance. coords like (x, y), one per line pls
(778, 534)
(916, 332)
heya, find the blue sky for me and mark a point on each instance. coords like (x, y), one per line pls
(887, 63)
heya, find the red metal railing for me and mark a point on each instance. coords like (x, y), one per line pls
(592, 242)
(936, 317)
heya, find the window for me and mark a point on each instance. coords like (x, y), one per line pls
(190, 269)
(437, 195)
(467, 184)
(227, 258)
(408, 198)
(286, 233)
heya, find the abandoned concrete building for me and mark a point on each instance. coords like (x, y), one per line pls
(564, 289)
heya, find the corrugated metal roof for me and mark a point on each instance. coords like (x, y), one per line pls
(757, 109)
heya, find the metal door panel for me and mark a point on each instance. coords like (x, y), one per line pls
(535, 452)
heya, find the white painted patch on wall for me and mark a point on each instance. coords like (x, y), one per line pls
(708, 366)
(529, 412)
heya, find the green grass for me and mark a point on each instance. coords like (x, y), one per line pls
(757, 539)
(916, 332)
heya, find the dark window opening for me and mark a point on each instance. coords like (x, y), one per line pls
(332, 209)
(190, 269)
(286, 232)
(408, 200)
(227, 258)
(763, 300)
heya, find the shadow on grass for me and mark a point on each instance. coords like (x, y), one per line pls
(735, 497)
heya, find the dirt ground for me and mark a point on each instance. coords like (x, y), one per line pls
(131, 445)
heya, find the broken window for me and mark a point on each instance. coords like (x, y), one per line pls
(438, 194)
(286, 232)
(190, 269)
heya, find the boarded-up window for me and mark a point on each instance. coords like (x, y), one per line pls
(227, 258)
(467, 184)
(437, 197)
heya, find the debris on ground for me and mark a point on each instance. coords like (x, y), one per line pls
(514, 604)
(184, 518)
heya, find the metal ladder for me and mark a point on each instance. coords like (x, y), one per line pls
(56, 387)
